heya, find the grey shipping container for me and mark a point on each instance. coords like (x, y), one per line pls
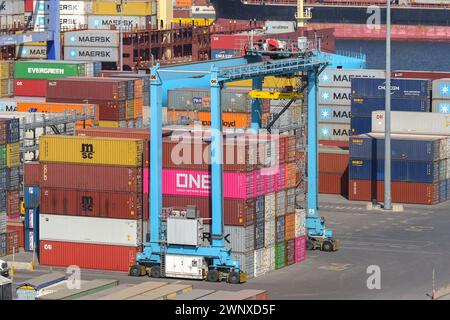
(260, 208)
(335, 96)
(2, 199)
(3, 221)
(342, 77)
(246, 262)
(241, 239)
(440, 106)
(441, 89)
(9, 178)
(280, 229)
(259, 235)
(92, 38)
(333, 131)
(334, 114)
(5, 289)
(280, 203)
(3, 248)
(290, 200)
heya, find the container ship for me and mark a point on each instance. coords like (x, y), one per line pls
(417, 21)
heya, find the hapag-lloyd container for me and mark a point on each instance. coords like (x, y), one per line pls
(364, 107)
(334, 96)
(88, 177)
(402, 192)
(300, 249)
(198, 183)
(122, 232)
(122, 205)
(269, 232)
(400, 88)
(237, 212)
(87, 255)
(342, 77)
(441, 89)
(403, 147)
(426, 123)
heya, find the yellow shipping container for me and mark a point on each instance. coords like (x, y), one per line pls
(6, 69)
(269, 82)
(13, 155)
(112, 124)
(193, 21)
(129, 9)
(91, 150)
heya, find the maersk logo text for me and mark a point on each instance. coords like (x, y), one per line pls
(91, 54)
(93, 39)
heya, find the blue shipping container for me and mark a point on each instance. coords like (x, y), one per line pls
(31, 196)
(400, 88)
(12, 130)
(360, 125)
(2, 199)
(363, 107)
(32, 218)
(9, 179)
(443, 191)
(259, 235)
(222, 54)
(31, 240)
(404, 171)
(259, 215)
(448, 189)
(411, 147)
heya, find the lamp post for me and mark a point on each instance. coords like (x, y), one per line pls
(387, 136)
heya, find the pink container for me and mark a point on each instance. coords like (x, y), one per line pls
(237, 185)
(259, 183)
(269, 175)
(146, 182)
(300, 249)
(280, 180)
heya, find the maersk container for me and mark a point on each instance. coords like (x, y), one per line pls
(360, 125)
(90, 38)
(334, 96)
(400, 88)
(12, 7)
(259, 235)
(403, 147)
(441, 89)
(105, 22)
(31, 196)
(363, 107)
(333, 131)
(102, 54)
(342, 77)
(65, 7)
(334, 114)
(403, 171)
(31, 52)
(440, 106)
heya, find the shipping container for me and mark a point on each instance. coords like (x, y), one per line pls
(31, 175)
(9, 130)
(334, 96)
(280, 255)
(412, 74)
(92, 178)
(269, 206)
(360, 125)
(290, 252)
(300, 222)
(42, 69)
(333, 183)
(334, 114)
(121, 232)
(9, 178)
(290, 226)
(131, 9)
(241, 239)
(440, 106)
(280, 203)
(13, 204)
(402, 192)
(30, 87)
(90, 38)
(364, 107)
(342, 77)
(246, 262)
(441, 89)
(87, 255)
(280, 224)
(31, 220)
(31, 196)
(13, 155)
(259, 234)
(261, 262)
(413, 122)
(109, 54)
(269, 232)
(400, 88)
(300, 249)
(91, 150)
(106, 22)
(334, 131)
(109, 204)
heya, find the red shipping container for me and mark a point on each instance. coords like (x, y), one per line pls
(31, 173)
(341, 144)
(12, 242)
(28, 6)
(300, 249)
(122, 205)
(88, 256)
(12, 204)
(402, 192)
(290, 252)
(180, 13)
(108, 110)
(237, 212)
(420, 74)
(333, 160)
(333, 183)
(30, 88)
(17, 226)
(93, 178)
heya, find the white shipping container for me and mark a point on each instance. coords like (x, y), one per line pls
(3, 221)
(65, 7)
(121, 232)
(246, 262)
(272, 27)
(269, 206)
(12, 7)
(31, 52)
(8, 106)
(89, 38)
(261, 262)
(178, 266)
(91, 54)
(441, 89)
(9, 20)
(40, 22)
(269, 232)
(241, 239)
(333, 131)
(106, 22)
(300, 222)
(343, 77)
(440, 106)
(335, 96)
(427, 123)
(270, 254)
(334, 114)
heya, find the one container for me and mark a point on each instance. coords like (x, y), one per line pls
(31, 173)
(89, 38)
(261, 262)
(270, 206)
(259, 234)
(441, 89)
(39, 69)
(334, 96)
(280, 224)
(31, 196)
(290, 252)
(334, 114)
(290, 226)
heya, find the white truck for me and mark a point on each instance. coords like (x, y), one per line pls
(4, 269)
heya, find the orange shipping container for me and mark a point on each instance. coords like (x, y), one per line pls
(138, 106)
(290, 226)
(291, 174)
(183, 3)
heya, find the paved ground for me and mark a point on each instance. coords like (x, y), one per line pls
(406, 246)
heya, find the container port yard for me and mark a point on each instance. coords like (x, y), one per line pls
(221, 151)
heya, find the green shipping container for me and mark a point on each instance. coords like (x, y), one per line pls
(46, 70)
(2, 156)
(280, 255)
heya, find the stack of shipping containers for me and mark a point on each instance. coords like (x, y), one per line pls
(91, 201)
(6, 79)
(31, 192)
(441, 96)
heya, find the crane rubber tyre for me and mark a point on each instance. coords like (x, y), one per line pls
(327, 246)
(155, 272)
(309, 245)
(234, 277)
(135, 271)
(213, 275)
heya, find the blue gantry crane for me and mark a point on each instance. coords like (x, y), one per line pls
(52, 35)
(214, 262)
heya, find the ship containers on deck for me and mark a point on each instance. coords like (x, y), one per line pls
(363, 107)
(400, 88)
(441, 89)
(342, 77)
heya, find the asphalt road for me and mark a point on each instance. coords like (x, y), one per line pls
(406, 246)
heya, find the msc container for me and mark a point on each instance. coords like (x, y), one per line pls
(441, 89)
(40, 69)
(241, 239)
(269, 232)
(403, 147)
(440, 106)
(333, 131)
(31, 173)
(91, 150)
(413, 122)
(364, 107)
(342, 77)
(246, 262)
(400, 88)
(259, 234)
(402, 170)
(121, 232)
(93, 178)
(300, 249)
(280, 255)
(334, 96)
(31, 196)
(334, 114)
(87, 255)
(121, 205)
(402, 192)
(237, 212)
